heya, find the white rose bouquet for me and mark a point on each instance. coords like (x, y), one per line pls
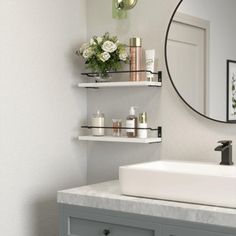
(104, 54)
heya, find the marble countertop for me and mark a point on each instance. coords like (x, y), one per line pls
(108, 196)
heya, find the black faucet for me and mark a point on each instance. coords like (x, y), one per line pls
(226, 152)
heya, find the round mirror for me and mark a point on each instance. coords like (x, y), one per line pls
(201, 56)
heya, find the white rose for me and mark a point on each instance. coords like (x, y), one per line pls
(104, 56)
(83, 47)
(88, 52)
(123, 55)
(99, 39)
(92, 42)
(109, 46)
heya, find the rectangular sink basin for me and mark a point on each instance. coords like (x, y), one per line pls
(199, 183)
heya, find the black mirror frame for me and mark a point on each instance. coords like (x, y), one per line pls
(172, 82)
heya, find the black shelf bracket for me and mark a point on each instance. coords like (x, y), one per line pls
(159, 132)
(159, 76)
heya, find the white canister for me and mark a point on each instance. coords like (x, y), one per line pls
(98, 121)
(142, 125)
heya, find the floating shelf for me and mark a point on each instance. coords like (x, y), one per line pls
(119, 139)
(120, 84)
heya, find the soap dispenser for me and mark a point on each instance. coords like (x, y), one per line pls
(131, 123)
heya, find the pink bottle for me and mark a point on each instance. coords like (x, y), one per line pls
(135, 59)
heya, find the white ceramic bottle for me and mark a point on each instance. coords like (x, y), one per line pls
(149, 61)
(142, 133)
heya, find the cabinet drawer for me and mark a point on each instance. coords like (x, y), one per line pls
(81, 227)
(178, 231)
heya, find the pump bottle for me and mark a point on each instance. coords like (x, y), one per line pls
(131, 123)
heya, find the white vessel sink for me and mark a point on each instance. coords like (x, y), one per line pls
(200, 183)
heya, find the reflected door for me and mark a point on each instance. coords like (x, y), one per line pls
(187, 53)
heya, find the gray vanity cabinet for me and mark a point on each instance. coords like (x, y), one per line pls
(179, 231)
(86, 221)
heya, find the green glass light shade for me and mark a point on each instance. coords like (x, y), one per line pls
(118, 13)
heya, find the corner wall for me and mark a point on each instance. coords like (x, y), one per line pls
(40, 111)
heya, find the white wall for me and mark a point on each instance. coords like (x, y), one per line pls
(186, 135)
(40, 111)
(221, 15)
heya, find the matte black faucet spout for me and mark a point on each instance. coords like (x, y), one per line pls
(226, 152)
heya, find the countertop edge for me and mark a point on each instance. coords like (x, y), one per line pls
(91, 196)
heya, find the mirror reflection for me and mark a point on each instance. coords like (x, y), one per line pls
(201, 55)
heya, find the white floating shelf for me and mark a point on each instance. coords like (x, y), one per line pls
(120, 84)
(119, 139)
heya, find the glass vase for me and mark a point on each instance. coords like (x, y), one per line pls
(103, 78)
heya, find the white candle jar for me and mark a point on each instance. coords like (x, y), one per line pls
(98, 121)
